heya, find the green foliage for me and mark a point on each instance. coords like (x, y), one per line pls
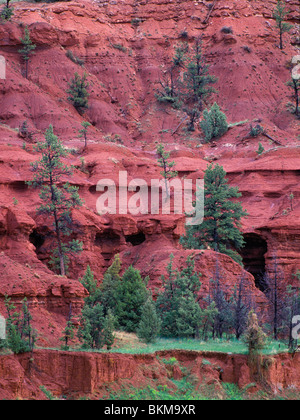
(90, 284)
(6, 13)
(233, 392)
(279, 15)
(197, 82)
(189, 317)
(177, 299)
(68, 332)
(220, 229)
(83, 131)
(21, 337)
(48, 394)
(110, 286)
(78, 92)
(108, 330)
(168, 171)
(187, 83)
(58, 199)
(131, 296)
(74, 58)
(256, 130)
(261, 149)
(214, 123)
(90, 331)
(27, 50)
(295, 85)
(172, 84)
(185, 390)
(98, 319)
(150, 323)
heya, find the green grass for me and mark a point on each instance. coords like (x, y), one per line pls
(220, 346)
(185, 391)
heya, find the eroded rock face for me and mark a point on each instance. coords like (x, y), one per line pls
(126, 48)
(84, 374)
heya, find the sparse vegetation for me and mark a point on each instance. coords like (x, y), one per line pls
(279, 15)
(27, 50)
(58, 199)
(221, 227)
(78, 92)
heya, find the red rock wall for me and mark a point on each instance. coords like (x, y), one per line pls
(80, 374)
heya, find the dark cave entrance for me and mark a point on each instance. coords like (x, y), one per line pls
(137, 239)
(254, 258)
(37, 240)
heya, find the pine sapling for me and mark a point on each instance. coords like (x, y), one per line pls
(27, 50)
(168, 172)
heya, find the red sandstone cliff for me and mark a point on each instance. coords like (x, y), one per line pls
(251, 85)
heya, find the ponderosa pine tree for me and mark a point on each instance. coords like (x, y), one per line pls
(132, 294)
(78, 92)
(27, 50)
(108, 330)
(172, 83)
(7, 11)
(279, 15)
(83, 131)
(109, 288)
(90, 331)
(90, 284)
(150, 323)
(58, 199)
(189, 317)
(69, 331)
(295, 85)
(167, 166)
(220, 229)
(21, 336)
(179, 289)
(197, 83)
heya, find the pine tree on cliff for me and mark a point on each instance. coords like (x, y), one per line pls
(168, 167)
(58, 198)
(78, 92)
(27, 50)
(83, 132)
(295, 85)
(220, 229)
(197, 84)
(279, 15)
(214, 123)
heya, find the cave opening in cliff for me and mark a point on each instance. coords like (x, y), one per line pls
(254, 258)
(137, 239)
(37, 239)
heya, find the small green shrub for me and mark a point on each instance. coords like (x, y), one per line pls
(214, 123)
